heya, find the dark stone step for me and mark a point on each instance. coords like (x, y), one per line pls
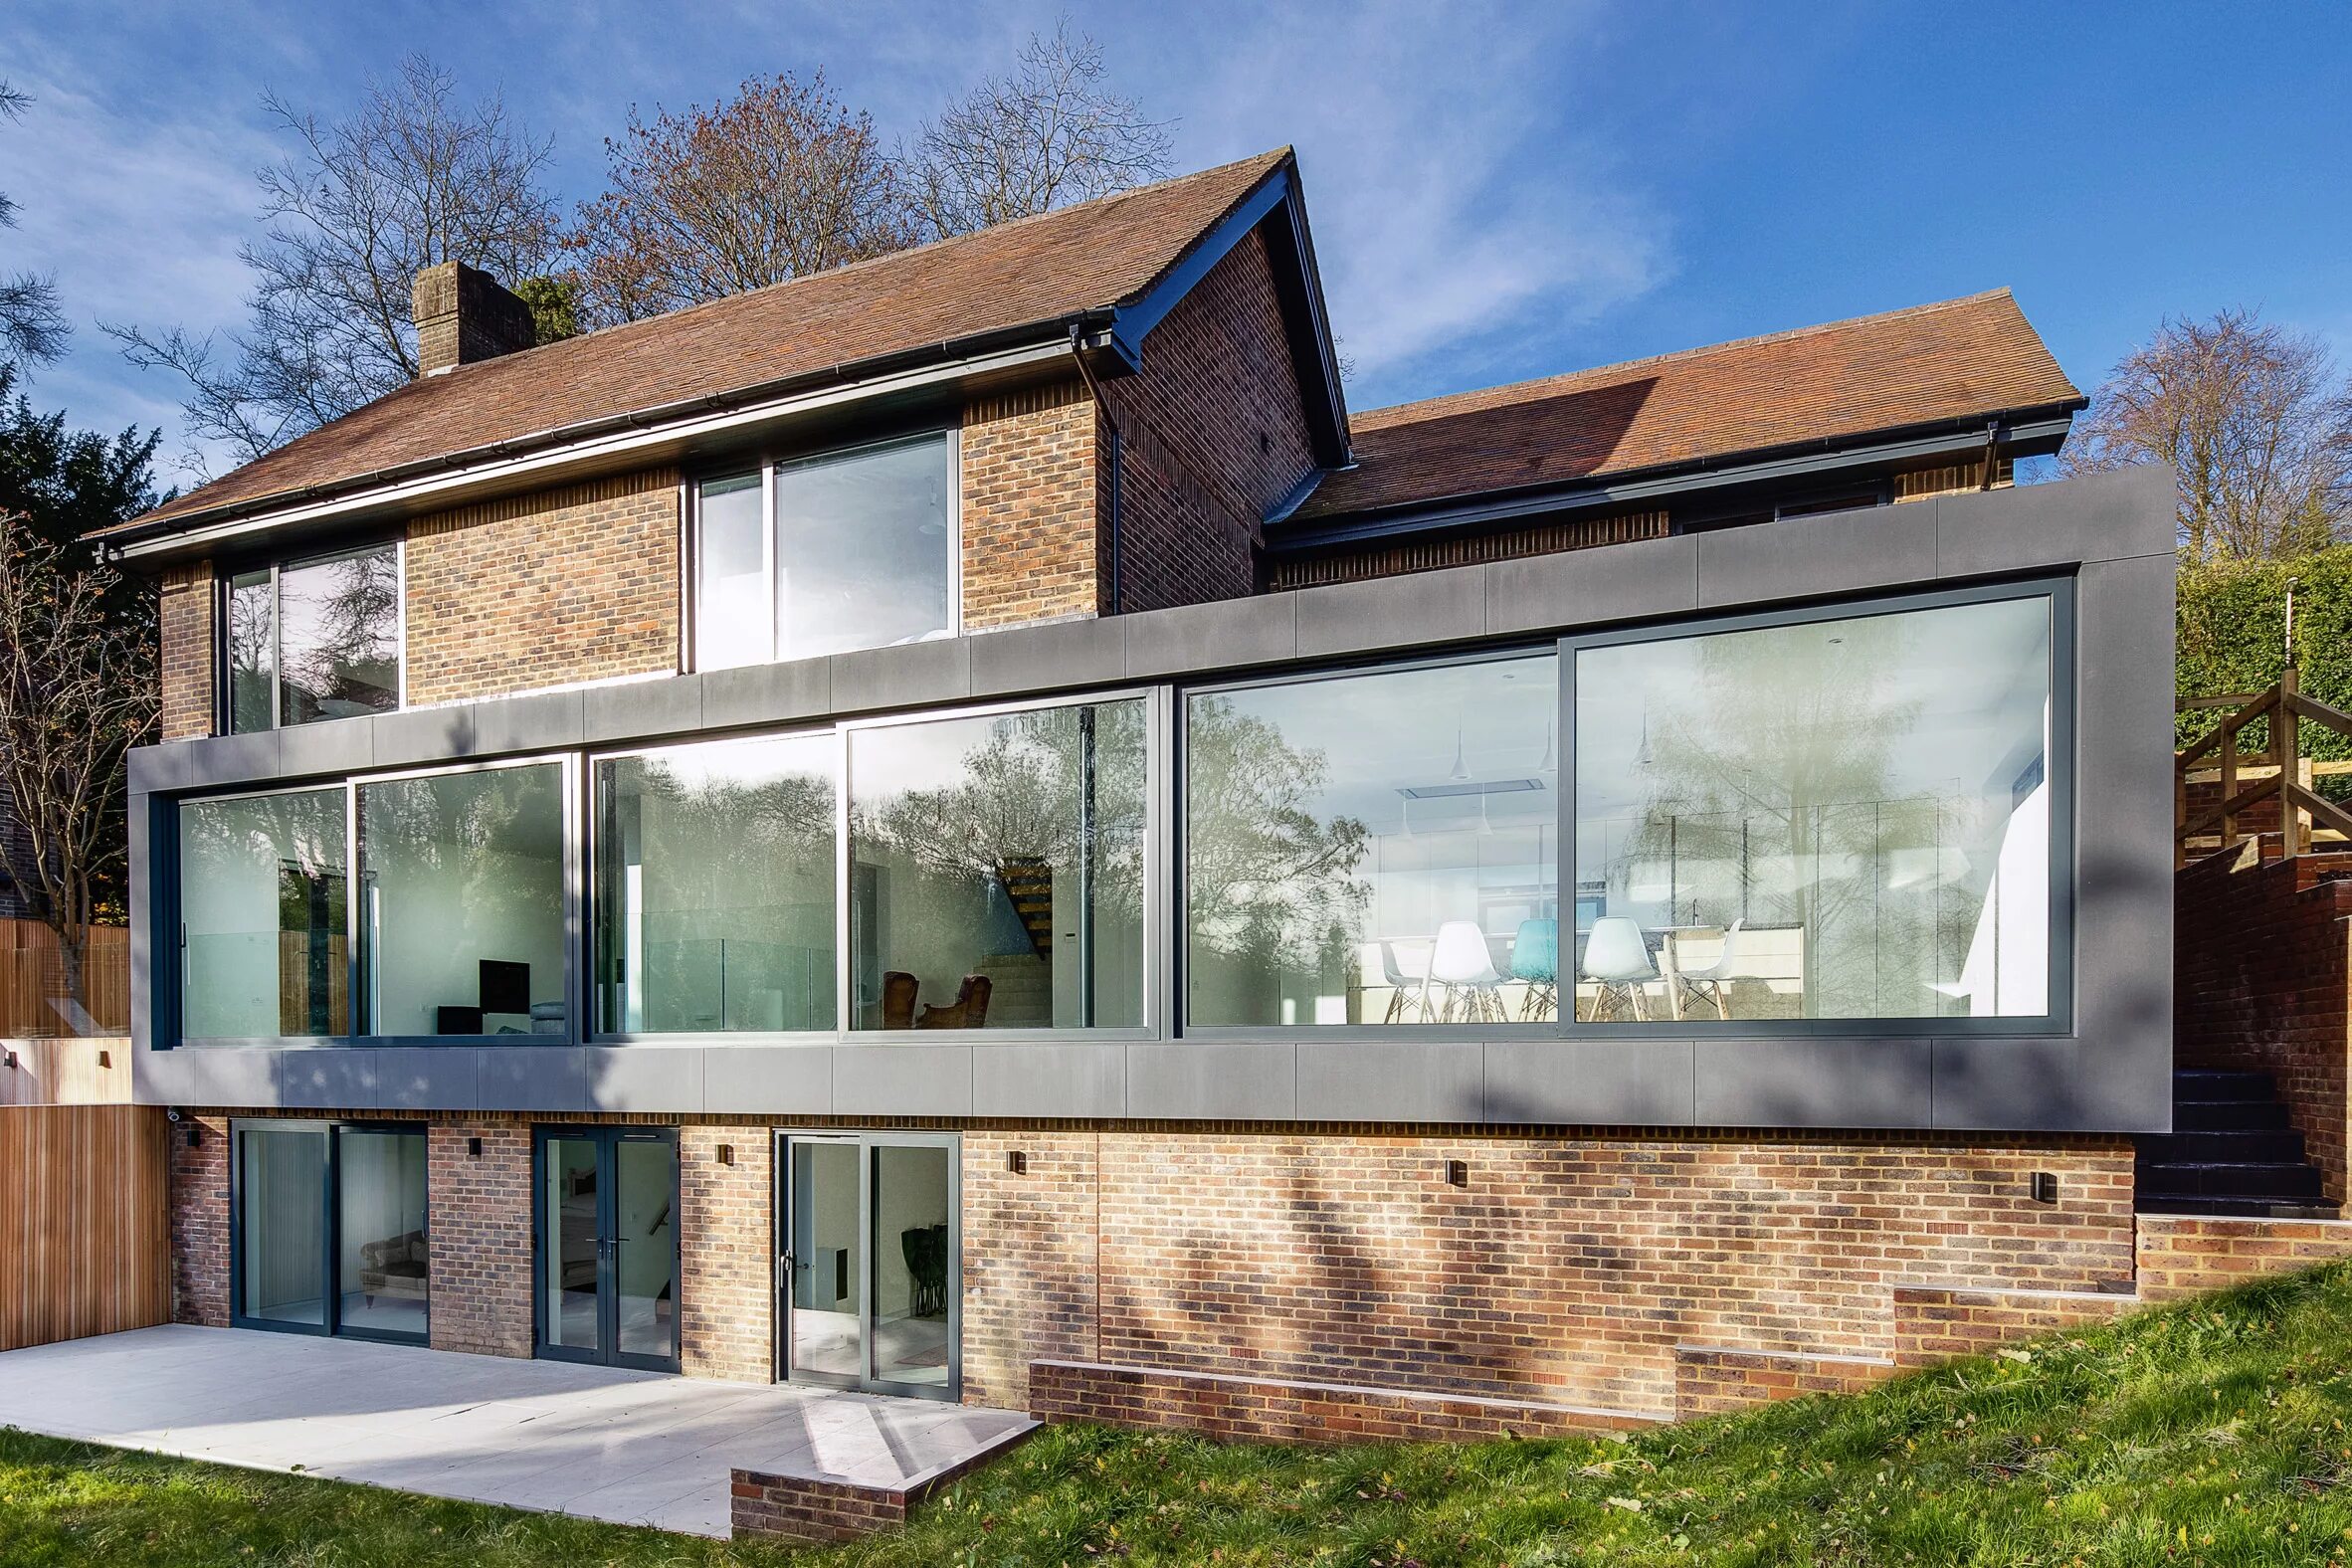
(2251, 1207)
(2227, 1115)
(2217, 1083)
(2220, 1180)
(2235, 1146)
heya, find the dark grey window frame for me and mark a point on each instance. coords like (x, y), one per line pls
(2065, 766)
(178, 925)
(608, 1137)
(224, 701)
(329, 1325)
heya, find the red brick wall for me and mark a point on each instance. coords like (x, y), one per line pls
(2183, 1256)
(200, 1222)
(2263, 980)
(547, 589)
(1711, 1380)
(1935, 1323)
(1566, 1271)
(184, 658)
(1214, 434)
(1028, 506)
(726, 1255)
(1029, 1259)
(480, 1236)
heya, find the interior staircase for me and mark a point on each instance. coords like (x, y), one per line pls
(2231, 1151)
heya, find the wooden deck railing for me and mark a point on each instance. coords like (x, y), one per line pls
(2280, 771)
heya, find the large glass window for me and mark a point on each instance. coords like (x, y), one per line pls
(854, 549)
(263, 913)
(329, 1235)
(714, 883)
(281, 1226)
(996, 871)
(1833, 820)
(1375, 848)
(461, 905)
(314, 640)
(382, 1262)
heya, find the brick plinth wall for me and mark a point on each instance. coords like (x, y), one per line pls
(2181, 1255)
(1274, 1410)
(815, 1511)
(554, 588)
(2263, 980)
(200, 1220)
(479, 1231)
(1711, 1380)
(1937, 1323)
(726, 1254)
(184, 609)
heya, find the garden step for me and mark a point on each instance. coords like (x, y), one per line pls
(2227, 1115)
(2222, 1180)
(2222, 1083)
(2231, 1146)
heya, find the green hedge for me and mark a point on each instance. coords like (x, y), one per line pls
(2231, 625)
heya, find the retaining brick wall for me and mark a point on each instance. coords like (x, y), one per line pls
(1711, 1380)
(726, 1254)
(2263, 980)
(2181, 1255)
(480, 1232)
(1936, 1323)
(552, 588)
(200, 1220)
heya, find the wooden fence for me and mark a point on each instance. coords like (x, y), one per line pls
(33, 982)
(84, 1244)
(2214, 804)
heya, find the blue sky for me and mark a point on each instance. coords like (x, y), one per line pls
(1497, 191)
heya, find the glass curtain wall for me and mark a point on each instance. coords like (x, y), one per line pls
(1833, 820)
(1376, 848)
(462, 903)
(714, 883)
(264, 909)
(996, 871)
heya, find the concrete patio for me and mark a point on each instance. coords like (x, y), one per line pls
(629, 1448)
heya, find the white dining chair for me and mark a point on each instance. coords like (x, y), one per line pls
(1464, 964)
(1618, 959)
(1377, 963)
(1709, 984)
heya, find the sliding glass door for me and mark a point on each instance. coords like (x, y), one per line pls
(870, 1276)
(330, 1230)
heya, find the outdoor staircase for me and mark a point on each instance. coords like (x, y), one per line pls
(2231, 1151)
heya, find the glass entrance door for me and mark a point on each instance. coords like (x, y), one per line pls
(871, 1268)
(608, 1246)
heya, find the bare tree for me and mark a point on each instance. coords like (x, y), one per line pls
(32, 327)
(77, 690)
(2254, 418)
(778, 183)
(1049, 133)
(412, 179)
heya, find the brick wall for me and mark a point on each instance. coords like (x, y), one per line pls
(2263, 980)
(1212, 435)
(2183, 1256)
(726, 1255)
(200, 1222)
(547, 589)
(1712, 1380)
(480, 1236)
(1566, 1271)
(184, 618)
(1028, 506)
(1936, 1323)
(1029, 1259)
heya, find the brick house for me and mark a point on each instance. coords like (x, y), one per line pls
(960, 826)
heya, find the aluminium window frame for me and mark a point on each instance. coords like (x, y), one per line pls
(180, 923)
(330, 1305)
(2062, 765)
(765, 466)
(223, 595)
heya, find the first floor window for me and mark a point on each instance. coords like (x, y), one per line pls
(314, 639)
(263, 916)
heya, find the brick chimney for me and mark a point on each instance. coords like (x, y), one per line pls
(463, 314)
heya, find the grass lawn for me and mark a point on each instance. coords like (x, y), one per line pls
(2213, 1433)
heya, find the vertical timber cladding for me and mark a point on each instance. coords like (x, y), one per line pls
(1566, 1270)
(85, 1247)
(553, 588)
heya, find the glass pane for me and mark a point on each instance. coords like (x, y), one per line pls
(715, 881)
(338, 635)
(384, 1277)
(282, 1224)
(861, 549)
(462, 903)
(251, 664)
(262, 897)
(645, 1259)
(997, 871)
(570, 1244)
(1845, 819)
(1376, 848)
(828, 1260)
(911, 1256)
(731, 585)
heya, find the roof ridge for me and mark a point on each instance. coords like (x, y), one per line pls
(1786, 334)
(606, 334)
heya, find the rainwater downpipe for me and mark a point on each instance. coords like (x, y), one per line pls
(1111, 422)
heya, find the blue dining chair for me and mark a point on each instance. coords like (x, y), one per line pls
(1535, 960)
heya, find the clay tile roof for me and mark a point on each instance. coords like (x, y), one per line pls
(1933, 362)
(1033, 272)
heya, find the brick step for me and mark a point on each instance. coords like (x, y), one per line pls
(2227, 1115)
(2157, 1203)
(2220, 1179)
(2211, 1084)
(2231, 1146)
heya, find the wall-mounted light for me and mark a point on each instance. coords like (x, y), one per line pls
(1017, 1162)
(473, 1148)
(2046, 1186)
(726, 1154)
(104, 1060)
(1457, 1173)
(10, 1057)
(195, 1137)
